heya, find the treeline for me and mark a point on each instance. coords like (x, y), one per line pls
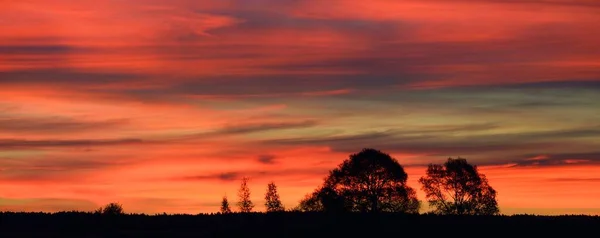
(372, 182)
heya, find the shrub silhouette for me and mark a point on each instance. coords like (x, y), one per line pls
(272, 201)
(457, 188)
(111, 209)
(225, 206)
(245, 204)
(369, 181)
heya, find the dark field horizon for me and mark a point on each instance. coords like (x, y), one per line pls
(290, 224)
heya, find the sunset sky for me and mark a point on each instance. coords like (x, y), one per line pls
(164, 105)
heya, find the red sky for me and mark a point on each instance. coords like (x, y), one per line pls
(164, 105)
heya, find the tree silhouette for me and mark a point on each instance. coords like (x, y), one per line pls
(310, 203)
(245, 204)
(272, 201)
(456, 187)
(111, 209)
(324, 199)
(225, 206)
(369, 181)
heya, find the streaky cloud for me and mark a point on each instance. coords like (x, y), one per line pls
(255, 174)
(267, 159)
(8, 144)
(56, 124)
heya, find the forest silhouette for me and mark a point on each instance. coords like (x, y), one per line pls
(366, 195)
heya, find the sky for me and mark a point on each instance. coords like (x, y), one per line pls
(164, 105)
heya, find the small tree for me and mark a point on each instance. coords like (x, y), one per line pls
(457, 188)
(272, 201)
(111, 209)
(225, 206)
(245, 204)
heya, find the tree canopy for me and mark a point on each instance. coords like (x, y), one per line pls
(368, 181)
(457, 188)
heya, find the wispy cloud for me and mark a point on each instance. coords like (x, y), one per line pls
(27, 144)
(54, 125)
(262, 174)
(267, 159)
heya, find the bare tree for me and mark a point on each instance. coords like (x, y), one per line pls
(272, 201)
(244, 203)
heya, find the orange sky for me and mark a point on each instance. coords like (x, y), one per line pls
(164, 105)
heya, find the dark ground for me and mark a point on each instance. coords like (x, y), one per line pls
(82, 225)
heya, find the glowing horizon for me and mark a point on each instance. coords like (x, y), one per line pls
(164, 105)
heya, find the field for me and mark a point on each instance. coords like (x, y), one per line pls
(291, 224)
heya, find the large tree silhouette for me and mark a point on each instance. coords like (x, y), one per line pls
(245, 204)
(457, 187)
(369, 181)
(272, 201)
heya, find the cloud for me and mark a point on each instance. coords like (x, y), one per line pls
(567, 133)
(326, 93)
(35, 50)
(51, 168)
(336, 139)
(55, 124)
(267, 159)
(63, 77)
(330, 53)
(559, 159)
(257, 174)
(8, 144)
(438, 142)
(63, 163)
(249, 128)
(267, 86)
(227, 176)
(584, 84)
(407, 138)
